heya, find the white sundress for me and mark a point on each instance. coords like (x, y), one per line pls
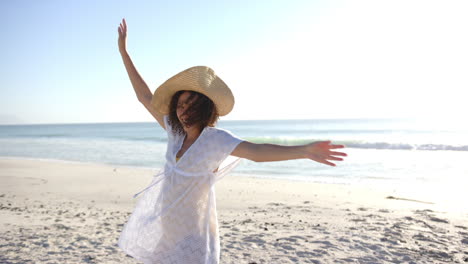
(175, 221)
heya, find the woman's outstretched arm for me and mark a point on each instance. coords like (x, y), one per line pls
(321, 151)
(142, 90)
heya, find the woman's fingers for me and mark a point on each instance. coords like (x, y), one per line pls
(336, 146)
(123, 27)
(338, 153)
(328, 163)
(321, 152)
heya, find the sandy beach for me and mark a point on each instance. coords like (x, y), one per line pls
(66, 212)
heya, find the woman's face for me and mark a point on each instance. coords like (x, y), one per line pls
(182, 104)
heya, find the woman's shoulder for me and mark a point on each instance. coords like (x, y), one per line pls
(217, 130)
(220, 134)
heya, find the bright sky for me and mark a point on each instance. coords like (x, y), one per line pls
(282, 59)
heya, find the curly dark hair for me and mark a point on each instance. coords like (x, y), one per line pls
(201, 112)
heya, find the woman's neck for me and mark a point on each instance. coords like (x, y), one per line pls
(192, 133)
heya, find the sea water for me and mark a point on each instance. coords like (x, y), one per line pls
(399, 153)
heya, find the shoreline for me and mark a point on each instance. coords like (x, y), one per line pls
(73, 212)
(402, 193)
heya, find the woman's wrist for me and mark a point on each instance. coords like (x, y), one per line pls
(303, 150)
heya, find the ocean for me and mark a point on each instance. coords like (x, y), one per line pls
(395, 153)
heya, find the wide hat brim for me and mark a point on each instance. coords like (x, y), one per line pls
(201, 79)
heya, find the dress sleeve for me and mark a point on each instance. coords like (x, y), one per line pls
(225, 143)
(166, 121)
(170, 132)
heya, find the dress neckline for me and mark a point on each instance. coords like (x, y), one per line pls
(177, 161)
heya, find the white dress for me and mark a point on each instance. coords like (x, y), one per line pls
(174, 221)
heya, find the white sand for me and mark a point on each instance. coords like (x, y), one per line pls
(61, 212)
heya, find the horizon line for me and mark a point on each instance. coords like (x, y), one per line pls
(226, 120)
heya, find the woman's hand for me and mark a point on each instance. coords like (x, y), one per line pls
(123, 36)
(322, 152)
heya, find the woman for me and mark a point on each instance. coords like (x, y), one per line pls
(175, 219)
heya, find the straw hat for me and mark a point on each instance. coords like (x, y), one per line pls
(201, 79)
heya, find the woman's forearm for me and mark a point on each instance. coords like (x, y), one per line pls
(272, 152)
(269, 152)
(139, 85)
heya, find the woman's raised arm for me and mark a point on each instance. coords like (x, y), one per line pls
(142, 90)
